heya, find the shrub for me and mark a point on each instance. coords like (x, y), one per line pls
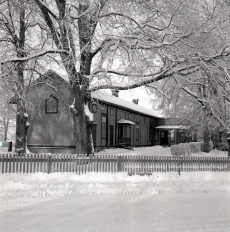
(177, 150)
(186, 149)
(207, 148)
(195, 147)
(222, 146)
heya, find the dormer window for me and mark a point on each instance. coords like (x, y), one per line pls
(51, 105)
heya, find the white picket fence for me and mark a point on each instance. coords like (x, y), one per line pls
(132, 164)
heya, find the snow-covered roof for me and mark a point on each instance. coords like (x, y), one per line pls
(117, 101)
(172, 127)
(124, 121)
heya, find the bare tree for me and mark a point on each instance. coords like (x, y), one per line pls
(118, 45)
(7, 117)
(13, 29)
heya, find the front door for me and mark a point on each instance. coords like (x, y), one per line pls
(111, 135)
(164, 137)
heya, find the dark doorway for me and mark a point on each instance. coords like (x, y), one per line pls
(111, 135)
(124, 134)
(94, 133)
(151, 136)
(164, 137)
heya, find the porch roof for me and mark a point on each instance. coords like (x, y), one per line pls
(124, 121)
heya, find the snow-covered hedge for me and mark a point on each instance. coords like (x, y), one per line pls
(186, 149)
(181, 149)
(196, 147)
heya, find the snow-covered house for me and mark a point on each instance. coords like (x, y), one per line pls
(116, 121)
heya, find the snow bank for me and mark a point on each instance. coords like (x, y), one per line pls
(58, 184)
(17, 190)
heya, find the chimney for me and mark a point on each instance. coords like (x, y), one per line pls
(115, 92)
(135, 101)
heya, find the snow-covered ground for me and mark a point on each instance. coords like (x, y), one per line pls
(150, 151)
(62, 202)
(158, 151)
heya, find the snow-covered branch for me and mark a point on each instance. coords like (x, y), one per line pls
(153, 77)
(33, 56)
(41, 4)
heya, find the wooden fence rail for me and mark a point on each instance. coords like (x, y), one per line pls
(132, 164)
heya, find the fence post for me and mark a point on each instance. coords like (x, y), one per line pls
(49, 163)
(10, 146)
(180, 164)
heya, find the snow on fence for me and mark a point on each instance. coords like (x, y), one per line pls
(133, 164)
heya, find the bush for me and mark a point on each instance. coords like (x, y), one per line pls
(177, 150)
(195, 147)
(182, 149)
(222, 146)
(207, 148)
(186, 149)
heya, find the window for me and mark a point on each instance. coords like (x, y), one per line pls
(137, 130)
(144, 119)
(111, 111)
(103, 126)
(172, 135)
(51, 105)
(129, 116)
(94, 108)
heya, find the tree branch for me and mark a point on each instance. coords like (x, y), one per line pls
(45, 7)
(23, 59)
(155, 77)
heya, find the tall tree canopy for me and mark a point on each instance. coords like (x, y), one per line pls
(119, 44)
(203, 96)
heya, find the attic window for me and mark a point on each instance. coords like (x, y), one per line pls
(51, 105)
(94, 108)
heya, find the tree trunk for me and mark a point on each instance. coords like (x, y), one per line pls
(206, 140)
(21, 128)
(82, 123)
(63, 38)
(21, 117)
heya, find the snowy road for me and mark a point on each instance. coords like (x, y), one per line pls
(162, 202)
(161, 212)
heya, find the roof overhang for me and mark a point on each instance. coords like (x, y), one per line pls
(171, 127)
(124, 121)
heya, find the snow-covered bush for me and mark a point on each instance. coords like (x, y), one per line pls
(179, 149)
(210, 146)
(222, 146)
(195, 147)
(186, 148)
